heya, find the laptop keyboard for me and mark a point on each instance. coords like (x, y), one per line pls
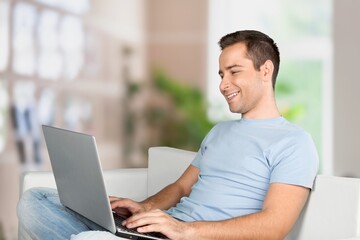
(118, 222)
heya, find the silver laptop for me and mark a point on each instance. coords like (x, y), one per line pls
(78, 175)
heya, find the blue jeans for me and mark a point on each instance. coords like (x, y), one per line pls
(42, 216)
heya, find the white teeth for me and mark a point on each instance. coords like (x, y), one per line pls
(232, 95)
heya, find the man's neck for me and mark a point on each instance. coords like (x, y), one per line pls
(264, 110)
(262, 115)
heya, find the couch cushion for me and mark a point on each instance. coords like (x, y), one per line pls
(165, 166)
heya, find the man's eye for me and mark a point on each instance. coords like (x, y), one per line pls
(235, 72)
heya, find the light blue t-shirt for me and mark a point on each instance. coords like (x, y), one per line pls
(238, 160)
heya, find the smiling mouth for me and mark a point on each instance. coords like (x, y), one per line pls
(231, 96)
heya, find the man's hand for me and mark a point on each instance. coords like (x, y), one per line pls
(125, 206)
(148, 221)
(165, 199)
(159, 221)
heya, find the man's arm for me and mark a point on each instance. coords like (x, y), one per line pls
(164, 199)
(282, 206)
(171, 195)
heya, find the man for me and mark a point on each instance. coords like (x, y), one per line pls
(251, 177)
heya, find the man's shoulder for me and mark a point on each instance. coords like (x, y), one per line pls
(225, 124)
(294, 130)
(292, 135)
(285, 133)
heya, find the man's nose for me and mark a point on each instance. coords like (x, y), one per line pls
(224, 84)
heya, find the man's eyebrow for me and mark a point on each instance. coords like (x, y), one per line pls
(233, 66)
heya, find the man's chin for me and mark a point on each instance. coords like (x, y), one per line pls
(234, 110)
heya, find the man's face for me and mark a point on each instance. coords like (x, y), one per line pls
(241, 84)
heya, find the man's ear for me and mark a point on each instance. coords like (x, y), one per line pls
(267, 70)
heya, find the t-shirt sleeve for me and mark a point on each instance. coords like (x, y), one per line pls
(295, 161)
(196, 161)
(203, 146)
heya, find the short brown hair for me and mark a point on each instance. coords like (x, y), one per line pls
(260, 48)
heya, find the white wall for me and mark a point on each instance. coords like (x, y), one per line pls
(346, 88)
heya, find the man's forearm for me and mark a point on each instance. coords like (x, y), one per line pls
(253, 226)
(281, 208)
(171, 195)
(166, 198)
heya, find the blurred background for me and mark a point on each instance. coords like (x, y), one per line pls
(139, 73)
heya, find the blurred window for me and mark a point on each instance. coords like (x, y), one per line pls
(52, 3)
(4, 34)
(93, 57)
(72, 44)
(77, 6)
(23, 38)
(46, 106)
(47, 43)
(77, 113)
(50, 58)
(24, 94)
(3, 110)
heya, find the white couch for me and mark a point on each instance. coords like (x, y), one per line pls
(332, 212)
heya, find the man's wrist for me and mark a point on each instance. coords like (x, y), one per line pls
(146, 205)
(191, 230)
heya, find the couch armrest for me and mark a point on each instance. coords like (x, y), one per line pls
(332, 211)
(36, 179)
(128, 182)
